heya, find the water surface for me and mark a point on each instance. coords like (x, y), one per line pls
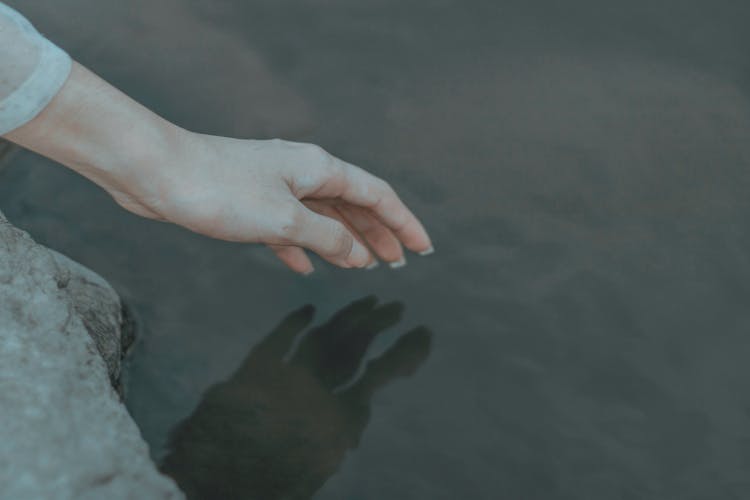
(582, 330)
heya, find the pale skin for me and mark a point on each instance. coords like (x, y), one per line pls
(290, 196)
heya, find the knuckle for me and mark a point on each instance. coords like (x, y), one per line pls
(315, 149)
(383, 194)
(385, 187)
(317, 155)
(289, 223)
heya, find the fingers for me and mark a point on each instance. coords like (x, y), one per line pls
(381, 239)
(323, 235)
(330, 210)
(325, 176)
(367, 191)
(294, 258)
(366, 228)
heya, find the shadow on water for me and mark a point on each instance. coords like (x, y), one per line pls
(281, 425)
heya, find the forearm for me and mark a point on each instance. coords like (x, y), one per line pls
(288, 195)
(101, 133)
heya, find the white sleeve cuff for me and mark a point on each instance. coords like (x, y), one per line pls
(40, 87)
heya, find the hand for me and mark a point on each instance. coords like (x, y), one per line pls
(278, 428)
(285, 194)
(288, 195)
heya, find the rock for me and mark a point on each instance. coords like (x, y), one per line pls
(64, 432)
(98, 306)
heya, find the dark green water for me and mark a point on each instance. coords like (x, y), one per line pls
(583, 331)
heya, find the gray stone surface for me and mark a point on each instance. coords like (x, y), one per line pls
(64, 432)
(98, 306)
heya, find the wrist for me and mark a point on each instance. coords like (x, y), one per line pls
(140, 163)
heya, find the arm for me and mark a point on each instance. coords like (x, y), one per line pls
(287, 195)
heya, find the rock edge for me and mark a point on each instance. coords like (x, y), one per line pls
(64, 432)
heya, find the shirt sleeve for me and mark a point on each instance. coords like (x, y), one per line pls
(32, 70)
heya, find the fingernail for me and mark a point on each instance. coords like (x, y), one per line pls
(308, 272)
(399, 263)
(372, 265)
(427, 252)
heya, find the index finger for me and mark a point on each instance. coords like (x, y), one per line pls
(368, 191)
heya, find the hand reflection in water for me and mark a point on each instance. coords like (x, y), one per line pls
(282, 424)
